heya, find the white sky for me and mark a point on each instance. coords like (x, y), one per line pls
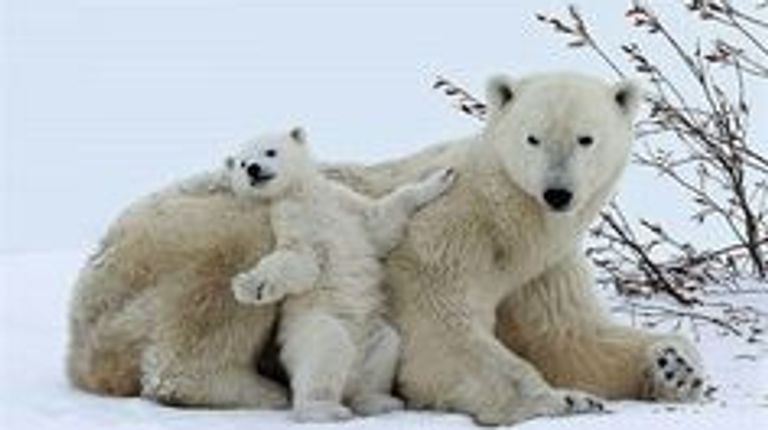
(104, 101)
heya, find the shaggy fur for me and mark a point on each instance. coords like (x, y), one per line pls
(489, 289)
(326, 268)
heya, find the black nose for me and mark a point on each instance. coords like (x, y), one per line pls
(558, 198)
(253, 170)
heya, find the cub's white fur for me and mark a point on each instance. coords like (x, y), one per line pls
(326, 269)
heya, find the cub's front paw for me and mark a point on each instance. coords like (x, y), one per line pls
(440, 181)
(255, 288)
(433, 186)
(674, 372)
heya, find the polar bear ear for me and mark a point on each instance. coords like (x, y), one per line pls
(499, 93)
(298, 135)
(229, 163)
(628, 94)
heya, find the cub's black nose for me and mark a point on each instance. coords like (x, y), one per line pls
(253, 170)
(558, 198)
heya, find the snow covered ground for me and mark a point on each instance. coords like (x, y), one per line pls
(34, 394)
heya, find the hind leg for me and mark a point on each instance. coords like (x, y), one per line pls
(318, 354)
(104, 346)
(203, 348)
(372, 393)
(556, 322)
(103, 363)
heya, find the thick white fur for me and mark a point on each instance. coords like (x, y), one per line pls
(326, 268)
(489, 288)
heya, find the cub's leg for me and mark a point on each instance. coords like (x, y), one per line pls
(387, 219)
(318, 353)
(202, 349)
(371, 393)
(557, 323)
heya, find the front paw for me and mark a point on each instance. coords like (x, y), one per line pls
(255, 288)
(674, 372)
(434, 185)
(440, 181)
(552, 402)
(578, 402)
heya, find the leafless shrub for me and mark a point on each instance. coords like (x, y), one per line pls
(461, 99)
(696, 136)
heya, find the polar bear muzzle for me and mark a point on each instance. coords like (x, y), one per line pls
(559, 199)
(257, 175)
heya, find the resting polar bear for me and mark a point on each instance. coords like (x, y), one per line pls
(489, 289)
(326, 268)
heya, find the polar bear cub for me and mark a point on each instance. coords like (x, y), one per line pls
(335, 344)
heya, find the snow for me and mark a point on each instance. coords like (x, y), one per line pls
(34, 392)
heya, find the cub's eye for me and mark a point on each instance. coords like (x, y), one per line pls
(242, 164)
(532, 140)
(586, 140)
(270, 153)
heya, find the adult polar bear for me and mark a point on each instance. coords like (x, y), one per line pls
(489, 289)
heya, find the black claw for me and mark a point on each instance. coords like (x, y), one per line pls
(689, 369)
(697, 383)
(681, 362)
(662, 362)
(669, 350)
(569, 402)
(669, 375)
(680, 384)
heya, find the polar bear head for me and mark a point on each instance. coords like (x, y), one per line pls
(269, 165)
(561, 137)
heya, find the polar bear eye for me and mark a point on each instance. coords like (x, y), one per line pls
(270, 153)
(242, 164)
(532, 140)
(586, 140)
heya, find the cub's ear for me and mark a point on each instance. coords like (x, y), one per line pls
(229, 163)
(628, 95)
(299, 135)
(499, 93)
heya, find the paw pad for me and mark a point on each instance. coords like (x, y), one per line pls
(674, 376)
(582, 403)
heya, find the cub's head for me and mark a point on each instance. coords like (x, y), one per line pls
(267, 166)
(562, 138)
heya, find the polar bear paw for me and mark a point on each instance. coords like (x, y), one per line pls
(257, 287)
(376, 404)
(555, 402)
(579, 402)
(321, 412)
(440, 181)
(674, 372)
(435, 185)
